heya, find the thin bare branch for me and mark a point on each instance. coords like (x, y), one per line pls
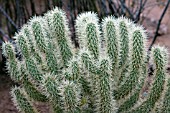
(127, 9)
(139, 11)
(159, 23)
(8, 17)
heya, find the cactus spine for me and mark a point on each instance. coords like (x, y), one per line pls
(106, 74)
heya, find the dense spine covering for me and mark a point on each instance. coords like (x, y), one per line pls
(137, 60)
(58, 24)
(89, 34)
(32, 91)
(70, 97)
(107, 74)
(21, 101)
(106, 100)
(166, 102)
(111, 40)
(13, 65)
(51, 58)
(29, 36)
(38, 33)
(124, 43)
(53, 93)
(124, 52)
(23, 45)
(158, 84)
(35, 73)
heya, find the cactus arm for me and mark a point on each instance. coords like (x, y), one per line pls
(53, 93)
(35, 73)
(166, 101)
(92, 39)
(38, 32)
(137, 62)
(29, 35)
(21, 101)
(158, 84)
(111, 40)
(89, 33)
(106, 100)
(75, 70)
(23, 45)
(124, 52)
(51, 59)
(59, 25)
(124, 42)
(32, 92)
(13, 64)
(70, 97)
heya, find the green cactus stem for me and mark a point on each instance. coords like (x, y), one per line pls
(21, 101)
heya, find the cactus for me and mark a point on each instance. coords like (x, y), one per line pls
(106, 74)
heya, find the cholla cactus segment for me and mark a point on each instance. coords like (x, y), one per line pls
(138, 49)
(35, 73)
(58, 24)
(124, 42)
(26, 30)
(21, 101)
(38, 32)
(74, 69)
(166, 102)
(106, 100)
(12, 64)
(71, 97)
(80, 25)
(88, 33)
(32, 92)
(92, 40)
(111, 40)
(51, 58)
(88, 63)
(13, 67)
(158, 84)
(8, 51)
(23, 45)
(52, 92)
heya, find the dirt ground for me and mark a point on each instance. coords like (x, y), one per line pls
(151, 18)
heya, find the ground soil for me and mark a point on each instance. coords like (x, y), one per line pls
(150, 20)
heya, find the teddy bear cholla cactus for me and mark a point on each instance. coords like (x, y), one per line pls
(106, 74)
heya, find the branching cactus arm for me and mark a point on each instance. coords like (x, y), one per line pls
(12, 63)
(159, 59)
(52, 92)
(58, 25)
(110, 36)
(26, 30)
(89, 33)
(137, 61)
